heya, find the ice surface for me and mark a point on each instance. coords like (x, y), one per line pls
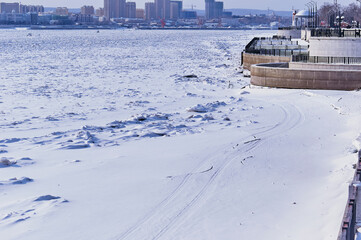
(157, 135)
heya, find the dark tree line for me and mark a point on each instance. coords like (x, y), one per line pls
(328, 12)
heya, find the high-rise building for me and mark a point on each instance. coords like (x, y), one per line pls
(218, 9)
(109, 11)
(120, 6)
(139, 13)
(162, 9)
(158, 8)
(150, 10)
(210, 9)
(114, 9)
(31, 9)
(214, 9)
(9, 7)
(130, 9)
(176, 9)
(87, 10)
(63, 11)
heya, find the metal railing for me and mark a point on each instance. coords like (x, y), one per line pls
(328, 60)
(289, 28)
(299, 53)
(255, 40)
(251, 44)
(278, 52)
(348, 225)
(276, 46)
(332, 32)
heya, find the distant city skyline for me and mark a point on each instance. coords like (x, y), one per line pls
(282, 5)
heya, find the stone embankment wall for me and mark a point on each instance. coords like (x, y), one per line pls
(250, 59)
(307, 76)
(320, 66)
(335, 47)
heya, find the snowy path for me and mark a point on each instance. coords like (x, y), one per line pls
(194, 185)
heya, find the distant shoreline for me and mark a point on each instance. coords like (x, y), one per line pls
(209, 29)
(56, 27)
(85, 27)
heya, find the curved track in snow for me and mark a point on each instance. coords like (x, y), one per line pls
(193, 186)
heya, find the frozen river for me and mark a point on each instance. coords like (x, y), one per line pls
(126, 134)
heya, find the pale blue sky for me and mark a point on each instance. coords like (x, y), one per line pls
(254, 4)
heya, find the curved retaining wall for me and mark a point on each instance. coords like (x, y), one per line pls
(320, 66)
(307, 76)
(250, 59)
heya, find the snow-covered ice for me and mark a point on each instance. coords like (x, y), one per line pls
(157, 135)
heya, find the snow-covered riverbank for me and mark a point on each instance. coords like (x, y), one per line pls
(156, 135)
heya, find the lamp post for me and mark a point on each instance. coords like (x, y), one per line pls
(309, 6)
(312, 7)
(329, 17)
(338, 18)
(308, 13)
(312, 14)
(315, 14)
(339, 23)
(358, 11)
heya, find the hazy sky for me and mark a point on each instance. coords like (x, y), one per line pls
(254, 4)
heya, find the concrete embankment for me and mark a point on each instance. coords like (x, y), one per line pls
(307, 76)
(250, 59)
